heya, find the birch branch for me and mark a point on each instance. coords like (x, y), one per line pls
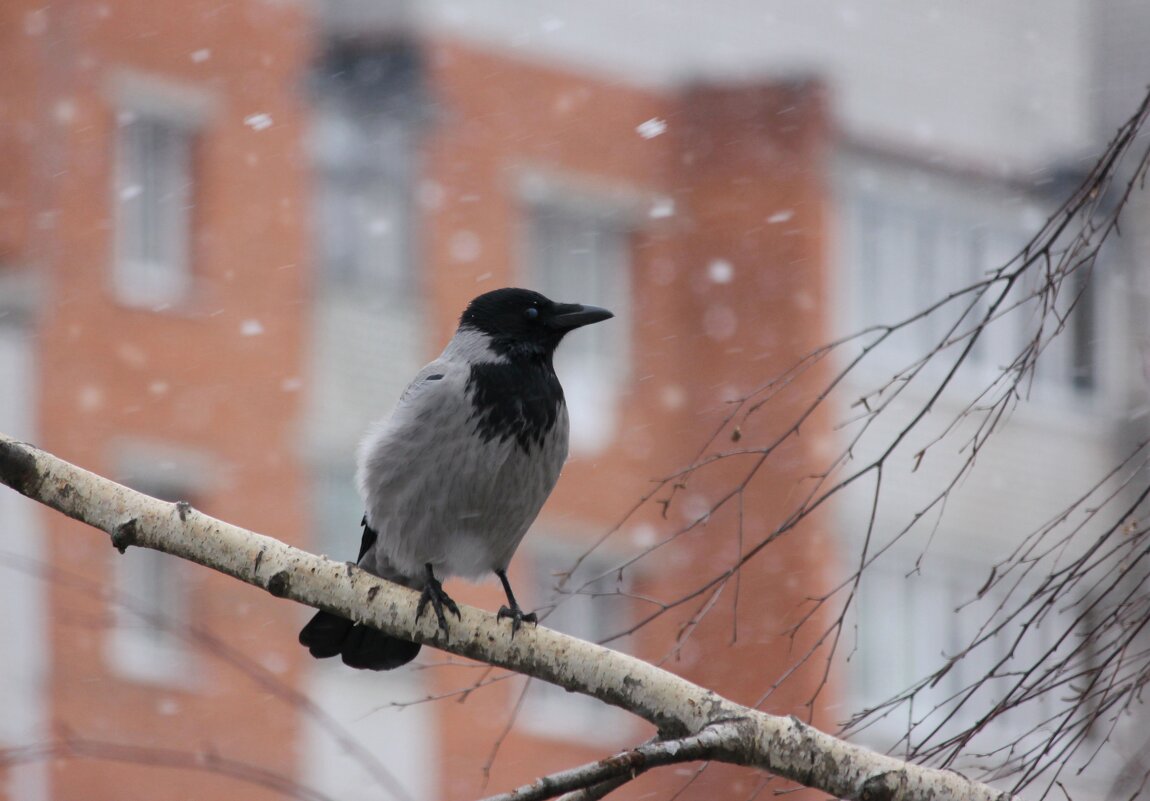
(625, 766)
(786, 747)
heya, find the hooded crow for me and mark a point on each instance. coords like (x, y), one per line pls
(452, 480)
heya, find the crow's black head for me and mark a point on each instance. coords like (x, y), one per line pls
(523, 319)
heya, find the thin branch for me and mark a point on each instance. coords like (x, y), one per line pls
(627, 765)
(71, 746)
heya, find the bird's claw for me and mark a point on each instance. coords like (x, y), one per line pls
(518, 617)
(434, 594)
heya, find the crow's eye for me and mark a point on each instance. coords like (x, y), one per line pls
(531, 313)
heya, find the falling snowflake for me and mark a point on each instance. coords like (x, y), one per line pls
(661, 208)
(720, 271)
(644, 535)
(651, 128)
(258, 122)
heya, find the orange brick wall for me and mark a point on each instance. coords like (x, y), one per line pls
(186, 377)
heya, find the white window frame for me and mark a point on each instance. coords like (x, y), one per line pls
(152, 596)
(550, 711)
(595, 364)
(153, 189)
(24, 594)
(146, 645)
(365, 204)
(369, 327)
(370, 708)
(976, 228)
(364, 148)
(911, 613)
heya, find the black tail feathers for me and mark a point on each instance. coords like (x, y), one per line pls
(328, 635)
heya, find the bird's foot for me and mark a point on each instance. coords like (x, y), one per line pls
(434, 594)
(512, 610)
(518, 617)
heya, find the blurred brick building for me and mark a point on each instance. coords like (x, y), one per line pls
(227, 236)
(154, 240)
(229, 233)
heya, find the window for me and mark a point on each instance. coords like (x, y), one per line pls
(579, 255)
(911, 240)
(153, 209)
(908, 256)
(398, 741)
(364, 148)
(908, 624)
(338, 511)
(592, 612)
(1070, 359)
(24, 593)
(368, 324)
(151, 603)
(363, 702)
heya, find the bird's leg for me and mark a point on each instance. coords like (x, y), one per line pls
(517, 615)
(433, 594)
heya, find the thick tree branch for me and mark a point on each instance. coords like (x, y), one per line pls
(786, 747)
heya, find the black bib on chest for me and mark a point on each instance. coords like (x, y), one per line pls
(519, 398)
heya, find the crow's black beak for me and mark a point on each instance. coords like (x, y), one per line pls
(573, 315)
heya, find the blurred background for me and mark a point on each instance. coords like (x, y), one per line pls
(231, 231)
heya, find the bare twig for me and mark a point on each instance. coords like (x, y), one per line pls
(72, 746)
(624, 766)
